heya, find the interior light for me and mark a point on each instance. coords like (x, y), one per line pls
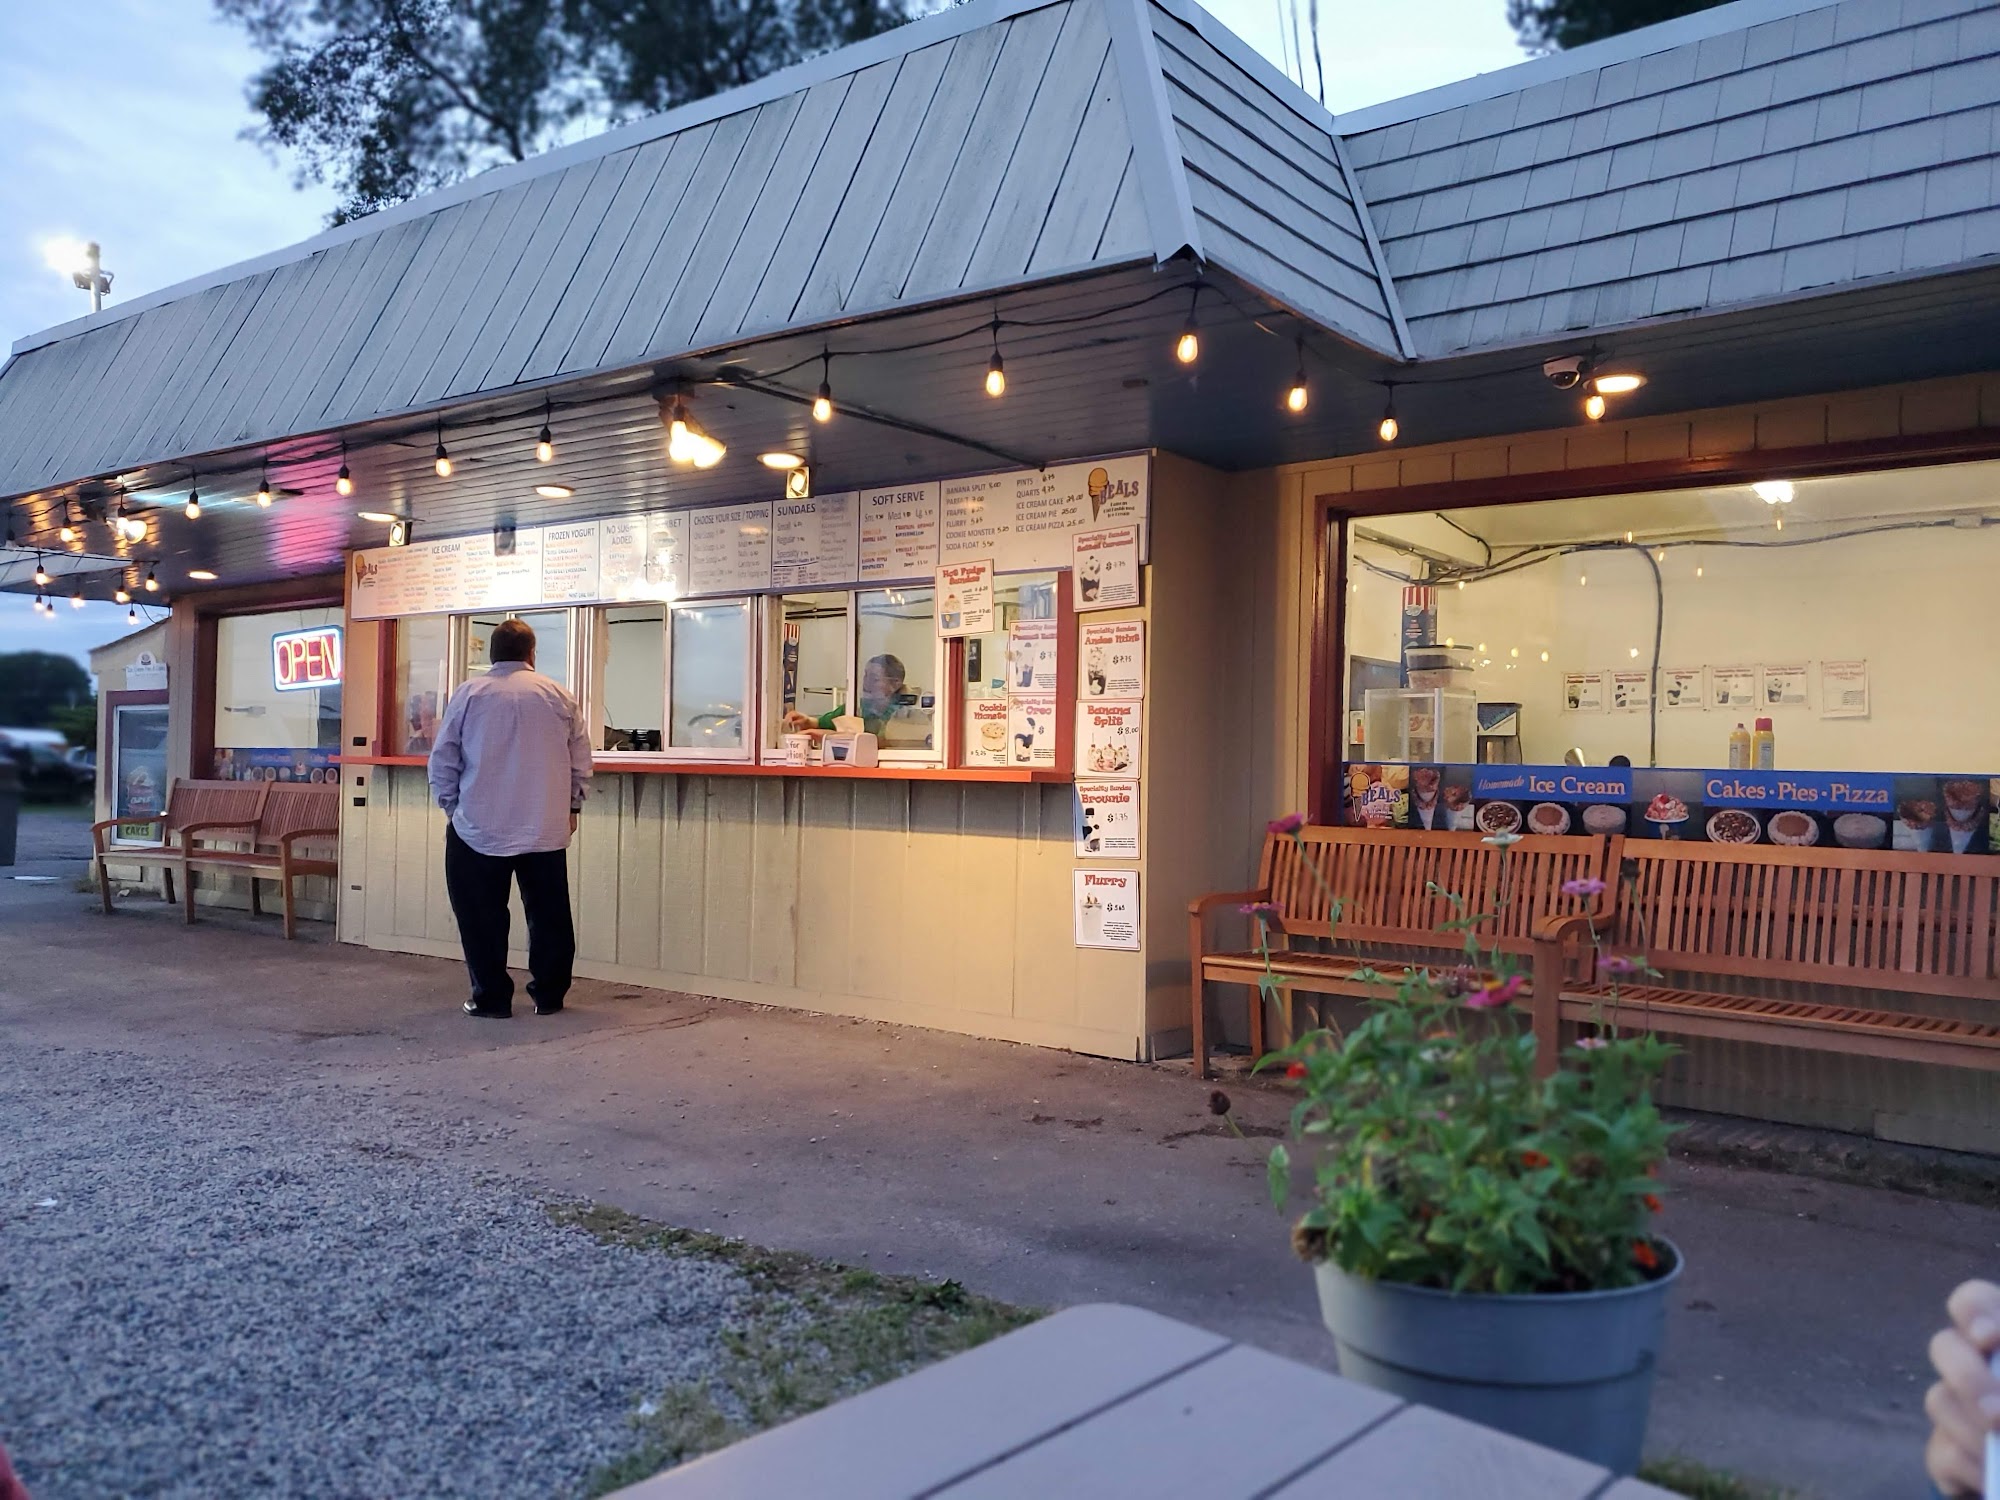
(1593, 407)
(1628, 538)
(1545, 656)
(1775, 491)
(375, 515)
(779, 460)
(1583, 580)
(1480, 648)
(1461, 583)
(554, 491)
(441, 460)
(1780, 518)
(202, 575)
(1513, 650)
(1697, 570)
(1635, 652)
(1619, 382)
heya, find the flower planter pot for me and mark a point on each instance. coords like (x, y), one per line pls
(1571, 1371)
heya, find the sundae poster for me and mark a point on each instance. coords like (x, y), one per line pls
(1104, 568)
(964, 592)
(1031, 657)
(1031, 732)
(986, 729)
(1114, 660)
(1107, 820)
(1107, 909)
(1107, 739)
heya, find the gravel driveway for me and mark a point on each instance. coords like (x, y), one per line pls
(211, 1286)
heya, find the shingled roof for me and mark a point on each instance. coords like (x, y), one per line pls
(1762, 150)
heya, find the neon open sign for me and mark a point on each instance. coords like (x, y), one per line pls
(306, 658)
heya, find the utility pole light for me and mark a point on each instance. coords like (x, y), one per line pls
(81, 262)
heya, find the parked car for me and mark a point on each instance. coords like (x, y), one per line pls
(43, 758)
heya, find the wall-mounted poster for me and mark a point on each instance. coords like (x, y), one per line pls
(1107, 820)
(986, 732)
(1105, 568)
(644, 556)
(1785, 685)
(569, 563)
(1107, 909)
(814, 542)
(1583, 692)
(1631, 692)
(1736, 689)
(1683, 687)
(964, 595)
(1843, 690)
(1107, 738)
(1031, 657)
(1031, 732)
(899, 533)
(1114, 660)
(729, 549)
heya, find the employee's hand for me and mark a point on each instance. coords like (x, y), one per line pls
(1965, 1403)
(574, 819)
(798, 723)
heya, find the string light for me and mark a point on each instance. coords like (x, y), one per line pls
(343, 482)
(264, 495)
(1389, 427)
(75, 599)
(687, 441)
(545, 441)
(1297, 397)
(1593, 407)
(41, 572)
(68, 532)
(1187, 348)
(152, 582)
(132, 615)
(42, 606)
(123, 594)
(194, 501)
(441, 460)
(823, 402)
(996, 373)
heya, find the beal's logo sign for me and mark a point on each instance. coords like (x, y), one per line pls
(308, 658)
(365, 572)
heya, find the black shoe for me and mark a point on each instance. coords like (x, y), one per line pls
(548, 1010)
(473, 1008)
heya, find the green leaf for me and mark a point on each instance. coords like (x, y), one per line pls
(1278, 1175)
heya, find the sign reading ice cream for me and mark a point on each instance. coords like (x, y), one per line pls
(1107, 908)
(965, 598)
(1104, 568)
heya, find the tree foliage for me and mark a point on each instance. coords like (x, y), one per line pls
(1556, 25)
(34, 684)
(386, 99)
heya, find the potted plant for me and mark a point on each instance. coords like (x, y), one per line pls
(1482, 1237)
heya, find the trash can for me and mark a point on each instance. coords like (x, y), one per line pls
(10, 807)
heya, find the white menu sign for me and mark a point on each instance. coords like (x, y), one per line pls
(1107, 738)
(964, 594)
(1631, 692)
(1031, 657)
(1843, 690)
(1114, 660)
(1734, 687)
(1031, 731)
(569, 563)
(729, 549)
(1785, 685)
(1107, 820)
(1107, 908)
(814, 542)
(1583, 692)
(1024, 520)
(1683, 687)
(643, 556)
(986, 732)
(516, 580)
(461, 572)
(1106, 567)
(899, 533)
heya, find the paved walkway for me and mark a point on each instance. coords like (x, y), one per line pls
(1795, 1350)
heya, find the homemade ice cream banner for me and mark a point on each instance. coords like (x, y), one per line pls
(1924, 812)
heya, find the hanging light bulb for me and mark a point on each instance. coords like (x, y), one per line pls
(123, 595)
(68, 532)
(132, 615)
(75, 600)
(823, 402)
(41, 573)
(1593, 407)
(687, 441)
(264, 495)
(1660, 555)
(194, 502)
(1389, 427)
(1297, 397)
(343, 482)
(152, 582)
(1187, 348)
(545, 441)
(42, 606)
(996, 373)
(441, 460)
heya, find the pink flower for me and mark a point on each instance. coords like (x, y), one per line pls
(1290, 823)
(1264, 909)
(1591, 1043)
(1589, 886)
(1615, 965)
(1499, 992)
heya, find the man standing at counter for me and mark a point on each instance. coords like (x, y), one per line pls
(511, 768)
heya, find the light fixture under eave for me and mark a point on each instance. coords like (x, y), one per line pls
(152, 582)
(1187, 348)
(823, 402)
(132, 615)
(194, 504)
(779, 460)
(76, 601)
(264, 495)
(996, 372)
(68, 532)
(554, 491)
(1593, 407)
(441, 459)
(1775, 491)
(1618, 382)
(201, 575)
(122, 594)
(376, 515)
(545, 440)
(1297, 398)
(41, 574)
(343, 482)
(688, 442)
(1389, 428)
(798, 484)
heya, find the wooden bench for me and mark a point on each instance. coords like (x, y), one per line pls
(1392, 886)
(1744, 936)
(296, 834)
(193, 809)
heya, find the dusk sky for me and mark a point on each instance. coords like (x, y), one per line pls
(123, 125)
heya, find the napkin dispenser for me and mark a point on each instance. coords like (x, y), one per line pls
(848, 750)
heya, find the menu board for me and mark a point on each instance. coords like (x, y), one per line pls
(729, 549)
(569, 563)
(1025, 520)
(516, 579)
(899, 533)
(814, 542)
(644, 556)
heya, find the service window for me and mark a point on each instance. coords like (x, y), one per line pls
(277, 695)
(552, 632)
(629, 677)
(899, 672)
(810, 653)
(421, 683)
(710, 656)
(1018, 656)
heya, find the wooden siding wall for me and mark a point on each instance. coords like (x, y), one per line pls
(1953, 1108)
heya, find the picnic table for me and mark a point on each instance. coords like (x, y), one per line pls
(1109, 1401)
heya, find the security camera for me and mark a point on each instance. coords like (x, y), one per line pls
(1567, 371)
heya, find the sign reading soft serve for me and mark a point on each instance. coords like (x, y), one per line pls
(1023, 522)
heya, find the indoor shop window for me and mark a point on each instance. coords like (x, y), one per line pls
(551, 627)
(810, 651)
(629, 677)
(421, 685)
(1018, 656)
(708, 672)
(278, 695)
(897, 672)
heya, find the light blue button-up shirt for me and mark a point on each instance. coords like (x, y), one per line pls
(511, 762)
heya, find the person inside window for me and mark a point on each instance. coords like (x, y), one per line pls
(882, 683)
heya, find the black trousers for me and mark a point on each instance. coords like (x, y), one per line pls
(478, 885)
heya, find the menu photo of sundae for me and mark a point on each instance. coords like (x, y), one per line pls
(1941, 815)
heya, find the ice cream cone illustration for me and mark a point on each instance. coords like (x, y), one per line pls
(1098, 483)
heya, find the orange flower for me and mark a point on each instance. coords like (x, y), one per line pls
(1647, 1258)
(1296, 1070)
(1533, 1159)
(1651, 1202)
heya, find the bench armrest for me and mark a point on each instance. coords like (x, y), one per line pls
(285, 841)
(1559, 928)
(1201, 906)
(97, 829)
(1552, 970)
